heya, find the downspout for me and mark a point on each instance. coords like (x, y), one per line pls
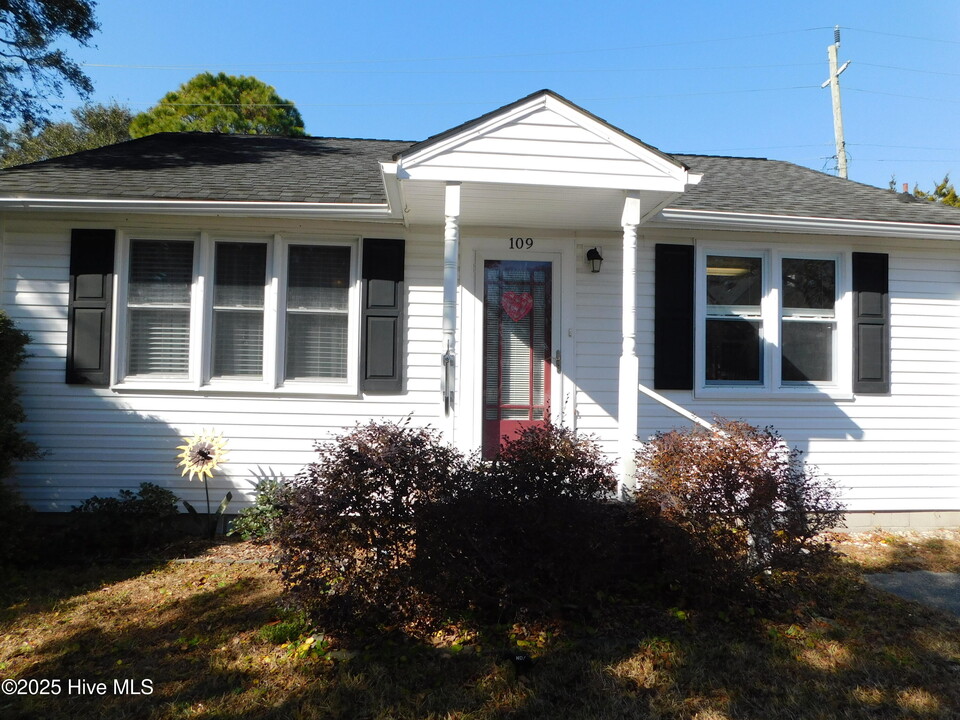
(451, 253)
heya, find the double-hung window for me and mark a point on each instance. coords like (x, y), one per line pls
(770, 321)
(734, 321)
(159, 301)
(250, 313)
(317, 312)
(239, 283)
(808, 320)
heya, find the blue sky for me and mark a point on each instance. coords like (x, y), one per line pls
(734, 78)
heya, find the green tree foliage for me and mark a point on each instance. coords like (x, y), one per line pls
(93, 126)
(944, 193)
(221, 103)
(31, 68)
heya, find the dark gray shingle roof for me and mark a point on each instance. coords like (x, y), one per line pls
(775, 187)
(203, 166)
(206, 166)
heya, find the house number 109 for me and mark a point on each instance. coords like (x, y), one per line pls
(520, 243)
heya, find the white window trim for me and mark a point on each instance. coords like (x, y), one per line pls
(841, 388)
(121, 313)
(199, 378)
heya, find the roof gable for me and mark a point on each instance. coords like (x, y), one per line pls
(544, 139)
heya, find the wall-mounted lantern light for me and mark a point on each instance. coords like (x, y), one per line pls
(595, 259)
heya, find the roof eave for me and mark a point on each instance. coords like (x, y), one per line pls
(228, 208)
(754, 222)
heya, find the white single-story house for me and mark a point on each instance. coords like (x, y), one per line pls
(533, 263)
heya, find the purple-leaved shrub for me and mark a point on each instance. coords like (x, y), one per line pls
(741, 494)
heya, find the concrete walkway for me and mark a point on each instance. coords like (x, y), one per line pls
(938, 590)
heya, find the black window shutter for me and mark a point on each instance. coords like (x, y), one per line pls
(871, 323)
(382, 319)
(673, 326)
(90, 309)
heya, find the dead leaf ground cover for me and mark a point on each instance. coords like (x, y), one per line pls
(886, 551)
(211, 637)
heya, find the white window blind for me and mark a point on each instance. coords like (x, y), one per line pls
(238, 296)
(158, 306)
(317, 303)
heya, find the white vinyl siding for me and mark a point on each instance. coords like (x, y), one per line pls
(888, 453)
(547, 147)
(897, 452)
(98, 441)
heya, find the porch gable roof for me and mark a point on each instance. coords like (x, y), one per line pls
(544, 139)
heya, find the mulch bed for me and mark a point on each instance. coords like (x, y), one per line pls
(226, 551)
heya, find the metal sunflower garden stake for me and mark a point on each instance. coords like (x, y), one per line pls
(202, 454)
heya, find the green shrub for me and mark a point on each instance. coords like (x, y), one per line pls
(741, 495)
(259, 521)
(113, 526)
(17, 544)
(15, 516)
(289, 626)
(13, 444)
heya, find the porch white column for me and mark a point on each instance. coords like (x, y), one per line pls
(451, 253)
(629, 364)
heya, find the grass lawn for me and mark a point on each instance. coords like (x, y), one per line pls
(207, 639)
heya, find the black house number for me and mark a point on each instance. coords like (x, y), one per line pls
(521, 243)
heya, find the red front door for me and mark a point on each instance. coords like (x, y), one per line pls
(517, 348)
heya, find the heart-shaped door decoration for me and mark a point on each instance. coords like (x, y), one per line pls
(517, 305)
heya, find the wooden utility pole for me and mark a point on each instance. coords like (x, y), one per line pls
(834, 83)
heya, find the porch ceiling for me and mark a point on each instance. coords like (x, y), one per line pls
(523, 206)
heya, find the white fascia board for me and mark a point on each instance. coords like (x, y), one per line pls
(391, 186)
(549, 178)
(424, 154)
(346, 211)
(750, 222)
(618, 139)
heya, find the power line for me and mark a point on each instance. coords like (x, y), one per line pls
(938, 161)
(484, 71)
(485, 103)
(907, 37)
(906, 147)
(770, 147)
(582, 51)
(898, 95)
(913, 70)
